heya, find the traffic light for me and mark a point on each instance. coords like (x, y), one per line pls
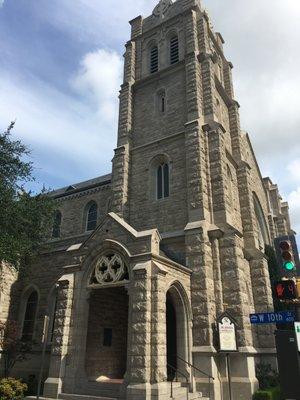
(286, 290)
(287, 257)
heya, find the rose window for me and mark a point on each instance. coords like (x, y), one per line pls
(110, 268)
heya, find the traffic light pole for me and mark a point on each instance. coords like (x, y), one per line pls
(297, 312)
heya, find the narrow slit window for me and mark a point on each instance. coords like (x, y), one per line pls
(92, 215)
(163, 104)
(174, 50)
(56, 225)
(163, 188)
(154, 59)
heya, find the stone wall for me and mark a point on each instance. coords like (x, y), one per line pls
(145, 210)
(8, 279)
(108, 310)
(74, 209)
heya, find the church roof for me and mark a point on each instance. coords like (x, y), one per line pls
(80, 186)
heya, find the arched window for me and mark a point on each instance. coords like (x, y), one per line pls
(56, 224)
(153, 59)
(174, 50)
(91, 217)
(162, 181)
(29, 318)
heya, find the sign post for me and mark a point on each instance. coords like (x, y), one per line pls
(297, 330)
(44, 341)
(227, 342)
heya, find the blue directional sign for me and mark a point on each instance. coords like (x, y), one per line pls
(281, 317)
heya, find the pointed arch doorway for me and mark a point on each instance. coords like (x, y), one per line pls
(177, 332)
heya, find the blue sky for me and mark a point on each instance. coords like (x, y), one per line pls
(61, 67)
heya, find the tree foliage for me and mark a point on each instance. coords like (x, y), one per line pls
(25, 217)
(13, 348)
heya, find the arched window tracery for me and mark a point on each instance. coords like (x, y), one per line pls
(163, 181)
(91, 217)
(263, 235)
(30, 316)
(110, 268)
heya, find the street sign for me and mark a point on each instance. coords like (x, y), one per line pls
(297, 330)
(281, 317)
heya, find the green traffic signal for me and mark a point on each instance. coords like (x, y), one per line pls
(289, 265)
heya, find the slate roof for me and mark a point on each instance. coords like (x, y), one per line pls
(80, 186)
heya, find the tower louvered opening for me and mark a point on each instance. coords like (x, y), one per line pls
(174, 50)
(153, 59)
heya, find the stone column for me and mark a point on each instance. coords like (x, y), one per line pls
(217, 276)
(263, 300)
(59, 351)
(120, 171)
(158, 334)
(196, 171)
(199, 260)
(218, 172)
(138, 373)
(239, 303)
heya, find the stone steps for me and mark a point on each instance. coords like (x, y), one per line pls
(180, 392)
(67, 396)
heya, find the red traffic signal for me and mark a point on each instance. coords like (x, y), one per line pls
(287, 255)
(286, 290)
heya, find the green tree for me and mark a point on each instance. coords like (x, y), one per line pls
(25, 217)
(13, 348)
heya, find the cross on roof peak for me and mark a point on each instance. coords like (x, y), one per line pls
(161, 8)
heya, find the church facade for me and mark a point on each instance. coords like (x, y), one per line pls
(144, 260)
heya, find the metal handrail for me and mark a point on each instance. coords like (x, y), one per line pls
(199, 370)
(181, 373)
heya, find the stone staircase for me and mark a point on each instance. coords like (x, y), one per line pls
(181, 392)
(65, 396)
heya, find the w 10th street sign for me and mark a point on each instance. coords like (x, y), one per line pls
(281, 317)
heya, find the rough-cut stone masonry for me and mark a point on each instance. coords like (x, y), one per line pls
(202, 244)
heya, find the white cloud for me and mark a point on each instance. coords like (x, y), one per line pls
(294, 203)
(1, 3)
(79, 133)
(95, 21)
(294, 170)
(99, 78)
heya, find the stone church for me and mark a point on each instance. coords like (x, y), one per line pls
(143, 261)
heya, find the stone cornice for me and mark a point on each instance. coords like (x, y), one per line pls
(159, 74)
(222, 92)
(80, 193)
(231, 159)
(158, 140)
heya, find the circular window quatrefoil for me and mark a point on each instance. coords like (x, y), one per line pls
(110, 268)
